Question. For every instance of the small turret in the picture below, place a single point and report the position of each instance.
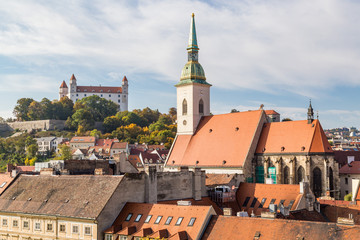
(125, 85)
(73, 84)
(310, 114)
(63, 90)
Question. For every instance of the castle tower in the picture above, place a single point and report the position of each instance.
(73, 84)
(63, 91)
(193, 92)
(125, 92)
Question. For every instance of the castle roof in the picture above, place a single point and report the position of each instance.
(293, 137)
(98, 89)
(220, 140)
(72, 77)
(63, 85)
(124, 79)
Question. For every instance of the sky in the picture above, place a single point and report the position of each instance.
(272, 52)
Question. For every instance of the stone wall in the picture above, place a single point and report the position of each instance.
(41, 125)
(86, 166)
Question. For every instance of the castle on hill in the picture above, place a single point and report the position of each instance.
(118, 95)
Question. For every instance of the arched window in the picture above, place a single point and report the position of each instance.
(300, 174)
(317, 186)
(201, 107)
(286, 175)
(184, 107)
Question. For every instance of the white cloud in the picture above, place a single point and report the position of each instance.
(27, 83)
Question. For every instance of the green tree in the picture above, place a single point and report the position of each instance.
(111, 123)
(100, 108)
(286, 119)
(35, 111)
(149, 115)
(95, 133)
(84, 118)
(128, 118)
(348, 197)
(21, 109)
(64, 152)
(47, 109)
(173, 114)
(68, 107)
(31, 150)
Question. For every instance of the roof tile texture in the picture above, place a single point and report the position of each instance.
(232, 132)
(71, 196)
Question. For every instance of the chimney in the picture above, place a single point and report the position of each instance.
(197, 184)
(14, 172)
(227, 211)
(151, 184)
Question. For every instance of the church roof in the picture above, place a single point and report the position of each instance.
(63, 85)
(271, 112)
(293, 137)
(192, 36)
(220, 140)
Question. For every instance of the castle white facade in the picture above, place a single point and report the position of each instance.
(118, 95)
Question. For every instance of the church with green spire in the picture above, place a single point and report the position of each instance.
(193, 91)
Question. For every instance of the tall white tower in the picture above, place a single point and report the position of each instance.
(63, 91)
(72, 90)
(193, 92)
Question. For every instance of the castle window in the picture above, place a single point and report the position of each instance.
(184, 106)
(101, 95)
(77, 95)
(118, 100)
(201, 107)
(118, 95)
(85, 95)
(109, 95)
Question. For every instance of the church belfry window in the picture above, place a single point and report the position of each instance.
(184, 107)
(201, 107)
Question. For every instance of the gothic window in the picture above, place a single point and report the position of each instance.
(184, 107)
(286, 175)
(201, 107)
(317, 186)
(331, 182)
(300, 174)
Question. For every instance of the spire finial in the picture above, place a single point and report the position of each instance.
(193, 46)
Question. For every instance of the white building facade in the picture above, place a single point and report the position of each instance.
(118, 95)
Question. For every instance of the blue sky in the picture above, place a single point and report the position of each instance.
(276, 53)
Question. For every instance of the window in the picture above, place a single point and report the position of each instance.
(87, 230)
(192, 221)
(128, 217)
(77, 95)
(158, 219)
(119, 101)
(123, 237)
(262, 203)
(75, 229)
(85, 95)
(346, 192)
(201, 107)
(2, 185)
(184, 106)
(253, 202)
(62, 228)
(49, 227)
(109, 95)
(346, 181)
(138, 217)
(108, 237)
(148, 218)
(37, 226)
(15, 223)
(101, 95)
(168, 220)
(246, 201)
(4, 222)
(26, 224)
(178, 222)
(291, 204)
(118, 95)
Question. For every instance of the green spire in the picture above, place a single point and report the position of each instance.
(192, 36)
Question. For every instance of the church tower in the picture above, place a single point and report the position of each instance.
(193, 92)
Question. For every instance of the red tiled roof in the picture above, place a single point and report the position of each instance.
(5, 180)
(287, 192)
(134, 160)
(72, 77)
(218, 179)
(119, 145)
(224, 227)
(271, 112)
(352, 168)
(83, 140)
(205, 201)
(218, 138)
(63, 85)
(99, 89)
(25, 168)
(124, 79)
(201, 213)
(293, 136)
